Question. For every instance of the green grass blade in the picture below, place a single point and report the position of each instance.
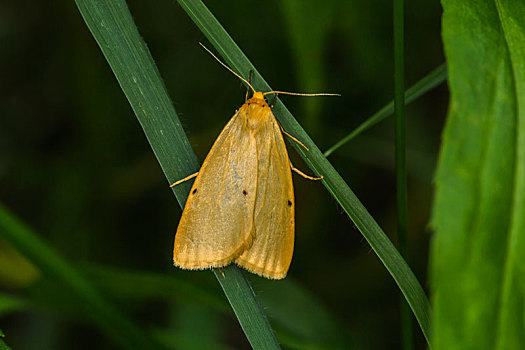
(335, 184)
(427, 83)
(401, 171)
(113, 28)
(238, 290)
(52, 265)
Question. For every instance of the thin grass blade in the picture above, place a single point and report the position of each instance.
(112, 26)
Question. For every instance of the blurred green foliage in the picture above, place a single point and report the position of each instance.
(76, 166)
(3, 346)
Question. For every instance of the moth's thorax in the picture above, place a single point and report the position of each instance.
(256, 111)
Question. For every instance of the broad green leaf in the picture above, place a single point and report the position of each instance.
(478, 252)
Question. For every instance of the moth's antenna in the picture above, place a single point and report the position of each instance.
(300, 94)
(228, 68)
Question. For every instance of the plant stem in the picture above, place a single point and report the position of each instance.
(401, 177)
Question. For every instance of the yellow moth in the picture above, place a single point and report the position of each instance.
(241, 206)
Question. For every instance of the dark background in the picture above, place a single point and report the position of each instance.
(75, 165)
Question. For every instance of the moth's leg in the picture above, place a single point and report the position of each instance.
(221, 270)
(249, 81)
(303, 174)
(185, 179)
(293, 138)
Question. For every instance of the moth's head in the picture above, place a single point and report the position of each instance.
(258, 98)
